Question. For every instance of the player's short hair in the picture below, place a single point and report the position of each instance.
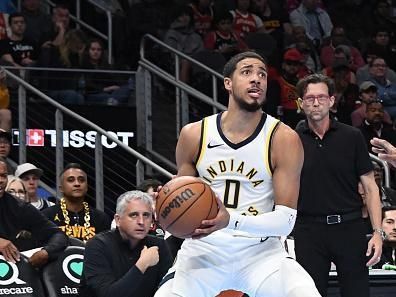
(387, 208)
(145, 185)
(13, 16)
(315, 78)
(129, 196)
(230, 66)
(70, 166)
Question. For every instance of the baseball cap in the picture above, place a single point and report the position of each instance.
(28, 168)
(5, 134)
(292, 55)
(364, 86)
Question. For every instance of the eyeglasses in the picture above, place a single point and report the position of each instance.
(379, 65)
(18, 193)
(310, 99)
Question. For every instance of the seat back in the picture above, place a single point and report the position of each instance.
(62, 277)
(19, 279)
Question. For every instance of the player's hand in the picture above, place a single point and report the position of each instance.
(39, 258)
(148, 257)
(385, 150)
(209, 226)
(374, 247)
(9, 251)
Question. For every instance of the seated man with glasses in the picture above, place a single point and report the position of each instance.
(386, 90)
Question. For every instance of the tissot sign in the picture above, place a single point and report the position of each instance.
(71, 138)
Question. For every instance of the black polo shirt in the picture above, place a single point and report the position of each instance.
(332, 169)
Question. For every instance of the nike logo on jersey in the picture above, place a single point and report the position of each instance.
(263, 239)
(214, 145)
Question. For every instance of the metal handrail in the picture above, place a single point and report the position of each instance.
(87, 122)
(108, 38)
(386, 169)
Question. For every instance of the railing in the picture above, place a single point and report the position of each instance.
(61, 110)
(78, 21)
(182, 90)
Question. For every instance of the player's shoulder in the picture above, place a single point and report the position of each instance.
(285, 135)
(191, 130)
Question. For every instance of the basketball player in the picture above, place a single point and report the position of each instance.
(253, 162)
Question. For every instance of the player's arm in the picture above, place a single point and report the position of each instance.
(187, 149)
(373, 203)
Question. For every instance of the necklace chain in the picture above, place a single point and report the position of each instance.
(87, 219)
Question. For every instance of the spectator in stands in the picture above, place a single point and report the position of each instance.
(126, 261)
(147, 17)
(5, 149)
(367, 93)
(17, 50)
(363, 73)
(338, 37)
(38, 23)
(386, 89)
(383, 17)
(5, 113)
(181, 34)
(354, 15)
(389, 249)
(16, 216)
(383, 46)
(315, 20)
(101, 88)
(301, 41)
(63, 86)
(73, 214)
(374, 125)
(223, 38)
(346, 91)
(30, 175)
(60, 26)
(203, 16)
(245, 21)
(16, 187)
(284, 87)
(275, 19)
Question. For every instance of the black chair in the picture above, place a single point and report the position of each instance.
(19, 279)
(62, 276)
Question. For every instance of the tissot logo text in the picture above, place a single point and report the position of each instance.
(71, 138)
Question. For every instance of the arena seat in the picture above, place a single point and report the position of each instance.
(19, 279)
(62, 277)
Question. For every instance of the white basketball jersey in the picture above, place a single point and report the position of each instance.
(240, 173)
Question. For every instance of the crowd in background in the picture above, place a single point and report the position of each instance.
(353, 42)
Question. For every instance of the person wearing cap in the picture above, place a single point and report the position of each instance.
(16, 216)
(284, 87)
(73, 214)
(367, 93)
(30, 175)
(5, 149)
(374, 125)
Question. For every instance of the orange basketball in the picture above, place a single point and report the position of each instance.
(183, 203)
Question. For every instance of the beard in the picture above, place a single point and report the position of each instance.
(249, 107)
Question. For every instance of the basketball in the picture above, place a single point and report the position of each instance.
(183, 203)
